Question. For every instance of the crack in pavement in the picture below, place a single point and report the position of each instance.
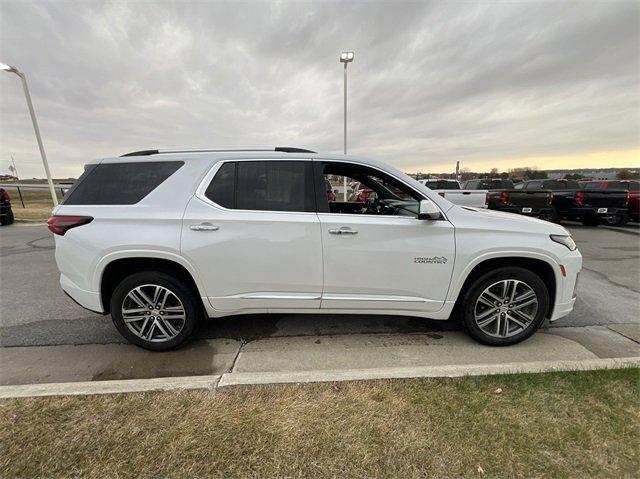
(609, 280)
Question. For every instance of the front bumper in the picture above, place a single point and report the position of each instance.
(566, 289)
(562, 309)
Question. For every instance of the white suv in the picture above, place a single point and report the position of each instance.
(162, 240)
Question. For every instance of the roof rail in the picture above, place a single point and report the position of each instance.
(288, 149)
(141, 153)
(281, 149)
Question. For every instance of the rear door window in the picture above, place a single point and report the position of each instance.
(119, 183)
(264, 186)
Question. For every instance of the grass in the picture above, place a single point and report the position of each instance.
(581, 424)
(38, 204)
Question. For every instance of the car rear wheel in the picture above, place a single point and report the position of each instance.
(553, 216)
(619, 219)
(154, 311)
(505, 306)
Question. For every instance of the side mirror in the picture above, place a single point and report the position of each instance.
(428, 211)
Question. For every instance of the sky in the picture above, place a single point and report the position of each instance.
(489, 84)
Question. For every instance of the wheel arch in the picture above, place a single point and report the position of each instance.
(114, 271)
(545, 268)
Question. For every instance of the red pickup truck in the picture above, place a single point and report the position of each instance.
(631, 186)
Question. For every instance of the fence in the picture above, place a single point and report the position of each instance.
(33, 193)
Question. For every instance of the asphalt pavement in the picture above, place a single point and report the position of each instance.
(76, 345)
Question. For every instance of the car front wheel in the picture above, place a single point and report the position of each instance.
(505, 306)
(154, 310)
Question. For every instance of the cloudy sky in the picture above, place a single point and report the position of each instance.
(491, 84)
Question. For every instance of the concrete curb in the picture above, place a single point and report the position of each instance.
(238, 379)
(109, 387)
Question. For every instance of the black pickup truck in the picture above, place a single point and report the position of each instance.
(554, 200)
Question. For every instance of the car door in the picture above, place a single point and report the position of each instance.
(252, 233)
(382, 261)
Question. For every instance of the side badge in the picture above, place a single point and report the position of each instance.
(431, 260)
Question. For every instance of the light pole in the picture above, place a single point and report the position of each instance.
(25, 87)
(346, 58)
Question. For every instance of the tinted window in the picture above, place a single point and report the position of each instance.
(120, 183)
(561, 185)
(592, 185)
(534, 185)
(519, 186)
(275, 186)
(442, 185)
(501, 185)
(622, 185)
(222, 187)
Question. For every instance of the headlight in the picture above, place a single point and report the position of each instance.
(564, 240)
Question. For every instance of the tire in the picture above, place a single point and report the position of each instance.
(167, 328)
(589, 221)
(620, 219)
(517, 327)
(553, 216)
(7, 218)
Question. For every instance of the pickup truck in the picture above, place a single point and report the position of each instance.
(487, 184)
(554, 200)
(631, 186)
(450, 189)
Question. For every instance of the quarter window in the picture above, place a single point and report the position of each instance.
(221, 190)
(119, 183)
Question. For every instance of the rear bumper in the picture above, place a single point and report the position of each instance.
(535, 212)
(593, 211)
(87, 299)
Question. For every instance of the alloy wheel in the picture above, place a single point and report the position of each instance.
(153, 313)
(506, 308)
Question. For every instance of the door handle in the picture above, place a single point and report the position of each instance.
(344, 230)
(204, 227)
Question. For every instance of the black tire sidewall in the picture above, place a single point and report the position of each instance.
(161, 279)
(590, 221)
(484, 281)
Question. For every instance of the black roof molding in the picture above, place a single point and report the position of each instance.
(141, 153)
(281, 149)
(288, 149)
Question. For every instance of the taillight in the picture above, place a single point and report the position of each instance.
(578, 198)
(486, 199)
(628, 198)
(551, 198)
(60, 224)
(504, 197)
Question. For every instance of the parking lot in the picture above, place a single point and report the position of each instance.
(46, 337)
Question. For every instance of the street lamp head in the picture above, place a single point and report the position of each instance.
(8, 68)
(346, 57)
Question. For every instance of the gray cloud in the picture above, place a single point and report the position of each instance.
(432, 82)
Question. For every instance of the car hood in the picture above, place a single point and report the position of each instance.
(481, 218)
